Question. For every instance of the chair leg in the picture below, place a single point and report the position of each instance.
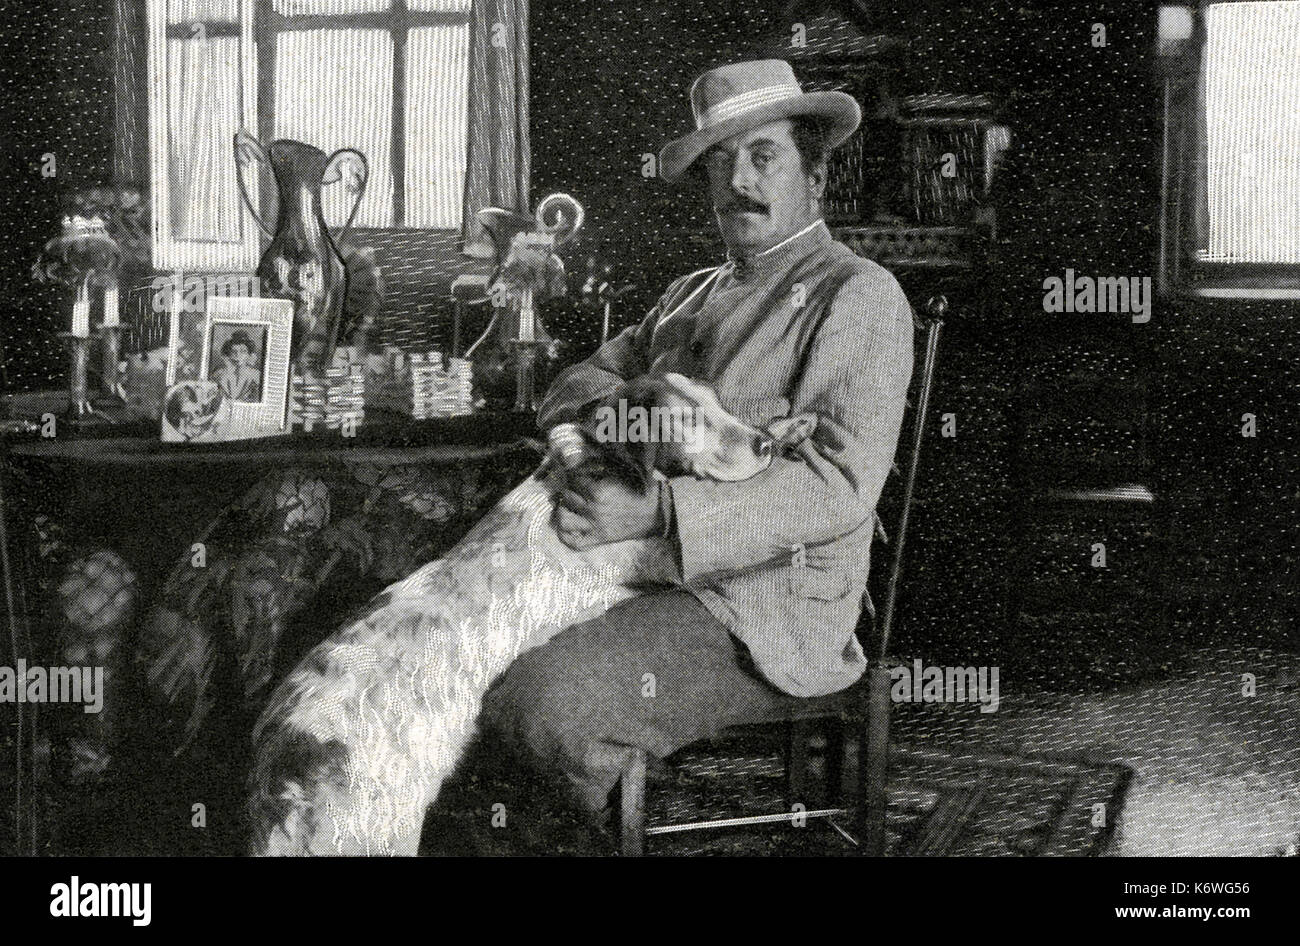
(797, 733)
(632, 805)
(874, 769)
(835, 748)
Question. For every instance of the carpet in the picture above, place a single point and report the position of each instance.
(961, 804)
(1212, 744)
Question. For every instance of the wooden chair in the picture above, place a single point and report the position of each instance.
(860, 713)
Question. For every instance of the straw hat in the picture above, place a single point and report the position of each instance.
(744, 95)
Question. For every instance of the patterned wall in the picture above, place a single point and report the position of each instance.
(1079, 190)
(57, 68)
(1042, 400)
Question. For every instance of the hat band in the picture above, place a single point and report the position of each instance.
(744, 102)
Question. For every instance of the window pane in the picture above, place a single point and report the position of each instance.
(334, 89)
(436, 125)
(207, 11)
(202, 118)
(1253, 127)
(302, 7)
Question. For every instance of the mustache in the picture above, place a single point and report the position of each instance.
(741, 205)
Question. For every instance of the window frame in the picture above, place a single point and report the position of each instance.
(257, 28)
(1180, 272)
(398, 20)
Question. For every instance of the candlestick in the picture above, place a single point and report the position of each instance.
(110, 347)
(526, 317)
(78, 394)
(525, 377)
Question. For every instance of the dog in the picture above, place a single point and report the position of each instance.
(357, 741)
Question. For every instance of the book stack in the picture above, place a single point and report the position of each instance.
(419, 385)
(335, 401)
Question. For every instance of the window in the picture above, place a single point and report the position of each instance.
(1232, 148)
(388, 77)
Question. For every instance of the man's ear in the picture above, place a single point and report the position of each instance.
(817, 179)
(792, 431)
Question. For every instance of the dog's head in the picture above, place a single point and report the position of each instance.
(670, 425)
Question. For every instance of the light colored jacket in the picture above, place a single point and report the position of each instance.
(780, 559)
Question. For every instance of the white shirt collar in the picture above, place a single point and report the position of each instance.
(741, 265)
(791, 238)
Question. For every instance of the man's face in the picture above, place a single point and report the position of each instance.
(760, 191)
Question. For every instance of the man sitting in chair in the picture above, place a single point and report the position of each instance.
(772, 569)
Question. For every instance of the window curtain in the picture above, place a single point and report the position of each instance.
(1185, 209)
(497, 172)
(1197, 235)
(130, 107)
(203, 95)
(1245, 132)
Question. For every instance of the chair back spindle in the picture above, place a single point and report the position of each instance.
(932, 321)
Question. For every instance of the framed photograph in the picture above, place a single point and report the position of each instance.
(195, 412)
(184, 335)
(245, 354)
(237, 360)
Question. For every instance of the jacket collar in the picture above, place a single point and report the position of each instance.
(778, 257)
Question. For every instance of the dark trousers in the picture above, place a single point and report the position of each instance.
(656, 672)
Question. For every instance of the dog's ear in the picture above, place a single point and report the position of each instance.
(642, 391)
(633, 461)
(577, 446)
(789, 432)
(644, 459)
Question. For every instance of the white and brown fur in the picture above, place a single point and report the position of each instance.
(357, 741)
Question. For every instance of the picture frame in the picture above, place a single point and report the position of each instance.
(185, 326)
(246, 343)
(195, 412)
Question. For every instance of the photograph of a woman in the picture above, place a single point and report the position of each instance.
(238, 370)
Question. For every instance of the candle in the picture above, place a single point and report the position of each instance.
(81, 313)
(526, 317)
(111, 318)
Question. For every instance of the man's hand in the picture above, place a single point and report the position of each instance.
(593, 512)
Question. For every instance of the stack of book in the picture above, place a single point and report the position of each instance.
(421, 386)
(337, 400)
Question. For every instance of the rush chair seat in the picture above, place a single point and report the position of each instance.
(857, 717)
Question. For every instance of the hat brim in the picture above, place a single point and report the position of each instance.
(840, 109)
